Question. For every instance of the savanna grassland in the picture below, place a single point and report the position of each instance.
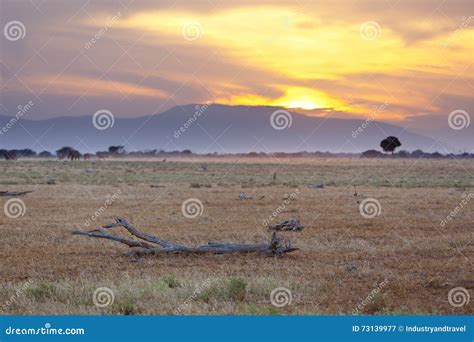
(343, 256)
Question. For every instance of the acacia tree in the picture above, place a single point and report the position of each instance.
(389, 144)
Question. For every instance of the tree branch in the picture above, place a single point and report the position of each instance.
(276, 246)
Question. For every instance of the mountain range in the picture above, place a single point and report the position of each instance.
(208, 129)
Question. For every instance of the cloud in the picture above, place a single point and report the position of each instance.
(307, 53)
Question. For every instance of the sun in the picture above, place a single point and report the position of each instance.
(306, 98)
(303, 104)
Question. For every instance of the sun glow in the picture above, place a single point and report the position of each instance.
(283, 56)
(307, 98)
(303, 104)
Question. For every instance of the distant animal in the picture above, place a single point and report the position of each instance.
(87, 156)
(8, 154)
(74, 155)
(164, 160)
(204, 167)
(63, 152)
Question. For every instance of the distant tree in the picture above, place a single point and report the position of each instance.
(26, 152)
(403, 154)
(116, 149)
(186, 152)
(45, 154)
(389, 144)
(436, 155)
(371, 154)
(418, 154)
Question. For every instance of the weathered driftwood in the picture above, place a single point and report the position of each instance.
(14, 193)
(151, 244)
(289, 225)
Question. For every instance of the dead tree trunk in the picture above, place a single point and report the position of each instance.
(14, 193)
(150, 244)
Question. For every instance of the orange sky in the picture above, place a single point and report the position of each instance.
(344, 57)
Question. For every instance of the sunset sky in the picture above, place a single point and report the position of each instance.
(341, 58)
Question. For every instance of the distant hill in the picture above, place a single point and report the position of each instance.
(218, 128)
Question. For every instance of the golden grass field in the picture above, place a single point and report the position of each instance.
(343, 256)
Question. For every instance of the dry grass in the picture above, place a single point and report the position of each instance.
(343, 256)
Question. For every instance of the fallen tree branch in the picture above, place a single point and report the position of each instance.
(14, 193)
(276, 246)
